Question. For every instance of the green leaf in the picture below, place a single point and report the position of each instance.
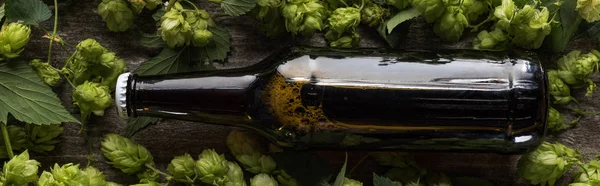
(219, 47)
(237, 7)
(569, 21)
(150, 40)
(400, 17)
(397, 35)
(339, 180)
(25, 96)
(31, 12)
(2, 11)
(469, 181)
(167, 62)
(383, 181)
(136, 124)
(305, 167)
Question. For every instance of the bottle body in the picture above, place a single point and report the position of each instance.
(369, 99)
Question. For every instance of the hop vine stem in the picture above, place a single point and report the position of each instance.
(6, 138)
(53, 31)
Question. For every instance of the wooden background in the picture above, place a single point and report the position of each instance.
(78, 20)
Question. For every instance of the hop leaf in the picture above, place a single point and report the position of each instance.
(263, 179)
(344, 19)
(547, 163)
(351, 182)
(116, 14)
(20, 170)
(558, 89)
(182, 168)
(451, 24)
(43, 138)
(174, 30)
(592, 169)
(589, 10)
(92, 98)
(431, 10)
(125, 154)
(235, 175)
(13, 38)
(490, 40)
(212, 167)
(48, 73)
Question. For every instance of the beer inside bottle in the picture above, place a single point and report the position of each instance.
(372, 99)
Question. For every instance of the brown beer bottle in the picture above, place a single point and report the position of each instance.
(369, 99)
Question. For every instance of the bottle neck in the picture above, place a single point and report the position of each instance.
(189, 96)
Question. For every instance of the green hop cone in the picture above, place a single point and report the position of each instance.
(46, 179)
(242, 143)
(438, 179)
(399, 4)
(20, 170)
(560, 91)
(92, 97)
(182, 168)
(148, 183)
(152, 4)
(431, 10)
(125, 154)
(263, 179)
(43, 138)
(94, 176)
(547, 163)
(473, 9)
(137, 5)
(504, 13)
(344, 19)
(148, 174)
(490, 40)
(592, 169)
(174, 30)
(451, 24)
(405, 175)
(575, 68)
(351, 182)
(284, 179)
(373, 15)
(202, 37)
(589, 10)
(212, 167)
(351, 40)
(17, 137)
(109, 69)
(49, 74)
(235, 175)
(90, 50)
(530, 26)
(304, 17)
(116, 14)
(68, 174)
(589, 183)
(555, 120)
(13, 38)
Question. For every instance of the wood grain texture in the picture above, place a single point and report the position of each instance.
(78, 21)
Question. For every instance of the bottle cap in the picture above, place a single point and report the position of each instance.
(121, 95)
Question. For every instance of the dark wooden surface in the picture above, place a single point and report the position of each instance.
(78, 21)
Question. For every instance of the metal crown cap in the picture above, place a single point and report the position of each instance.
(121, 95)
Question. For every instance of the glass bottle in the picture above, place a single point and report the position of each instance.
(370, 99)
